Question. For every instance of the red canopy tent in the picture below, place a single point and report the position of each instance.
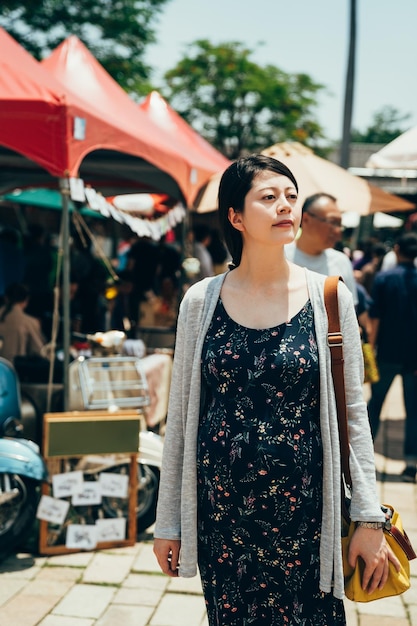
(47, 132)
(53, 126)
(206, 158)
(73, 64)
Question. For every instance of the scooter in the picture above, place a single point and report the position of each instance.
(22, 468)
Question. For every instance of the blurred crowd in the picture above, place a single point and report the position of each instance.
(141, 284)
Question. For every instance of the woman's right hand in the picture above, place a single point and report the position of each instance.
(167, 552)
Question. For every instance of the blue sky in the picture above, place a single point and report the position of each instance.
(309, 37)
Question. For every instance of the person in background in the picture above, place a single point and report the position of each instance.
(20, 333)
(120, 311)
(144, 258)
(39, 264)
(366, 274)
(321, 229)
(90, 276)
(218, 252)
(250, 483)
(393, 334)
(12, 261)
(202, 240)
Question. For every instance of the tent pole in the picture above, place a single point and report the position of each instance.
(65, 299)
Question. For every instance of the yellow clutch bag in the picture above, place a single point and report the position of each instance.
(397, 582)
(370, 364)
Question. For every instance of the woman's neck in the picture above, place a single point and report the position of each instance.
(258, 270)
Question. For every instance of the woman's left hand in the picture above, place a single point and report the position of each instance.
(371, 547)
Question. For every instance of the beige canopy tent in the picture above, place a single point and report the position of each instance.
(315, 174)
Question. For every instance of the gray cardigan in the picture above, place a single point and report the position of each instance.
(177, 502)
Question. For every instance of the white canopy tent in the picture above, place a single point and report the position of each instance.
(401, 153)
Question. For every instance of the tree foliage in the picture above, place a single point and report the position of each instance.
(115, 31)
(386, 125)
(238, 105)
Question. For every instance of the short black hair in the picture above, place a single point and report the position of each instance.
(234, 185)
(201, 232)
(407, 245)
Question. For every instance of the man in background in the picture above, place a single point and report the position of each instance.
(321, 230)
(393, 333)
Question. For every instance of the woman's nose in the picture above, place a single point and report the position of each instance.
(283, 205)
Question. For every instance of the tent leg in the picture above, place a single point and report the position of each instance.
(66, 325)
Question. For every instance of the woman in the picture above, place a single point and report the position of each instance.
(250, 484)
(20, 334)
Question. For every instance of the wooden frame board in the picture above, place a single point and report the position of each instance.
(89, 441)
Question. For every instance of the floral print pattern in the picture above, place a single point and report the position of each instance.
(259, 466)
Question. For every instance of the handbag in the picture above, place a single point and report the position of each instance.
(394, 533)
(369, 363)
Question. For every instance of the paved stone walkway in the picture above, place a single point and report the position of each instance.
(123, 587)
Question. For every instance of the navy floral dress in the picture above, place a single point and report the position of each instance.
(259, 465)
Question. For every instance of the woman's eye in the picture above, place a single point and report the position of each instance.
(293, 197)
(270, 196)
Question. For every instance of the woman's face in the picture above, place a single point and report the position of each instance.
(270, 215)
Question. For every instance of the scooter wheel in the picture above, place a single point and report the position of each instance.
(148, 482)
(18, 503)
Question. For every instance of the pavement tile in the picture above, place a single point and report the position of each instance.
(125, 550)
(185, 585)
(38, 587)
(27, 610)
(75, 559)
(60, 573)
(126, 616)
(351, 613)
(108, 568)
(85, 601)
(146, 581)
(138, 597)
(390, 607)
(146, 560)
(205, 621)
(179, 610)
(57, 620)
(378, 620)
(412, 613)
(9, 588)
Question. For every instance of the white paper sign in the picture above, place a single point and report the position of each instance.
(114, 485)
(92, 198)
(65, 485)
(80, 124)
(77, 189)
(81, 537)
(89, 494)
(52, 510)
(111, 529)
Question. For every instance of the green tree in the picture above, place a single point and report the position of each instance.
(115, 31)
(386, 125)
(238, 105)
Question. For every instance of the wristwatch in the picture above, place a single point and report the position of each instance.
(374, 525)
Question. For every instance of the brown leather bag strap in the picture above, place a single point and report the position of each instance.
(335, 343)
(402, 539)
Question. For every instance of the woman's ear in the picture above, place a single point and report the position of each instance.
(235, 218)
